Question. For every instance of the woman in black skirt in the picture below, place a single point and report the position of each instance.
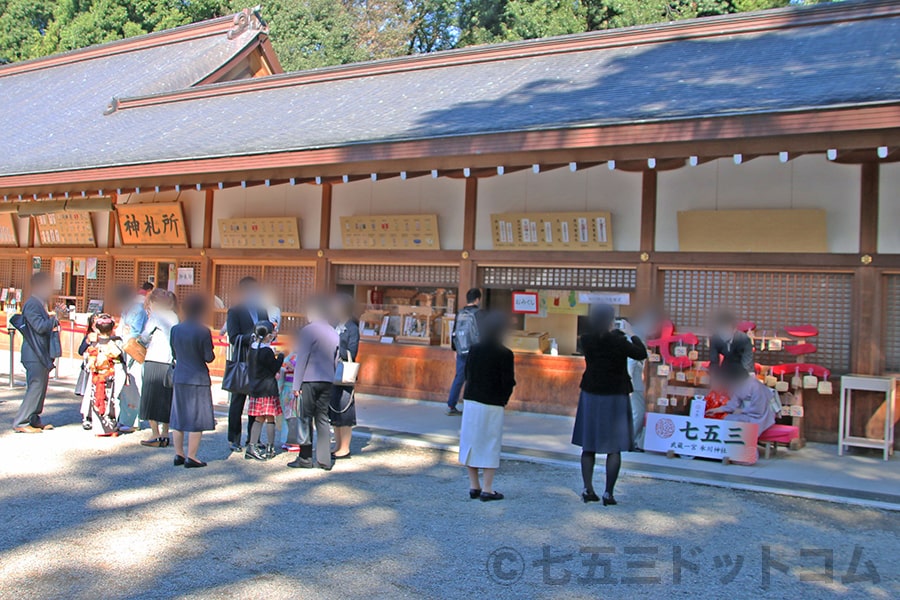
(342, 407)
(156, 397)
(192, 407)
(603, 423)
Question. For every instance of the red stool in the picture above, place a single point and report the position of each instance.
(779, 434)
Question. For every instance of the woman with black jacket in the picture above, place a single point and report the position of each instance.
(264, 404)
(490, 378)
(603, 423)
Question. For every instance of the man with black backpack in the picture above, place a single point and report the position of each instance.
(465, 335)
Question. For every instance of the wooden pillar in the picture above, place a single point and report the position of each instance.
(208, 219)
(324, 282)
(646, 272)
(468, 271)
(111, 225)
(866, 356)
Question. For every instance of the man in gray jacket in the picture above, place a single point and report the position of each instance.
(313, 379)
(36, 356)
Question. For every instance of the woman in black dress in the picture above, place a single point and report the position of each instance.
(342, 407)
(603, 423)
(192, 408)
(156, 396)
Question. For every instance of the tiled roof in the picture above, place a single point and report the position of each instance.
(56, 120)
(52, 113)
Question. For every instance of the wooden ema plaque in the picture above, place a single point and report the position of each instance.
(391, 232)
(552, 231)
(66, 228)
(9, 235)
(152, 224)
(270, 233)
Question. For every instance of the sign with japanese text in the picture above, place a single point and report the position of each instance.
(66, 228)
(152, 224)
(623, 299)
(552, 231)
(9, 236)
(270, 233)
(709, 438)
(525, 302)
(391, 232)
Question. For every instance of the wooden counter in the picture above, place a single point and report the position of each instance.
(545, 384)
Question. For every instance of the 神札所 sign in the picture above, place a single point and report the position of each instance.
(152, 224)
(709, 438)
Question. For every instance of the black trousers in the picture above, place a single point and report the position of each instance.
(235, 413)
(37, 377)
(314, 400)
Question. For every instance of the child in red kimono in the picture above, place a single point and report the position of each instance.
(104, 363)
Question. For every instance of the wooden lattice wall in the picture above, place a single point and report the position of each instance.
(556, 278)
(292, 284)
(418, 275)
(771, 299)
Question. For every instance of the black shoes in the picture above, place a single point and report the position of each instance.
(589, 496)
(235, 447)
(179, 460)
(609, 500)
(190, 463)
(301, 463)
(489, 497)
(323, 467)
(270, 451)
(341, 457)
(253, 453)
(454, 412)
(474, 494)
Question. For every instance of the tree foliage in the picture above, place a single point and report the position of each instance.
(317, 33)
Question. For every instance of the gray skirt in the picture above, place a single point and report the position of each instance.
(603, 424)
(192, 408)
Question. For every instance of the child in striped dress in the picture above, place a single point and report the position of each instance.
(264, 403)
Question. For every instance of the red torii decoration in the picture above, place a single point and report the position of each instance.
(666, 339)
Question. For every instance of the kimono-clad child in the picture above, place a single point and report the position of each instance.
(106, 368)
(263, 403)
(83, 384)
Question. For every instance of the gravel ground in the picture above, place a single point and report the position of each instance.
(106, 518)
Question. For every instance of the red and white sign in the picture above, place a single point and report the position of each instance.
(710, 438)
(526, 302)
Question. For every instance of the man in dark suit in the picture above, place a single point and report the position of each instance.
(36, 356)
(240, 323)
(730, 350)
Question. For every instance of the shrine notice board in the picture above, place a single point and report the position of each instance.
(152, 224)
(784, 230)
(269, 233)
(391, 232)
(66, 228)
(9, 236)
(709, 438)
(552, 231)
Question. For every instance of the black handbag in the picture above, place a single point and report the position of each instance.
(169, 381)
(237, 374)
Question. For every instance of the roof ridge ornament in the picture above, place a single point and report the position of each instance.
(249, 18)
(112, 107)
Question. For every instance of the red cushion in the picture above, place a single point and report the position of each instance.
(783, 434)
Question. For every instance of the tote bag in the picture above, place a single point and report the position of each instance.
(346, 371)
(237, 374)
(129, 401)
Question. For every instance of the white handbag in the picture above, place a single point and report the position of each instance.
(346, 371)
